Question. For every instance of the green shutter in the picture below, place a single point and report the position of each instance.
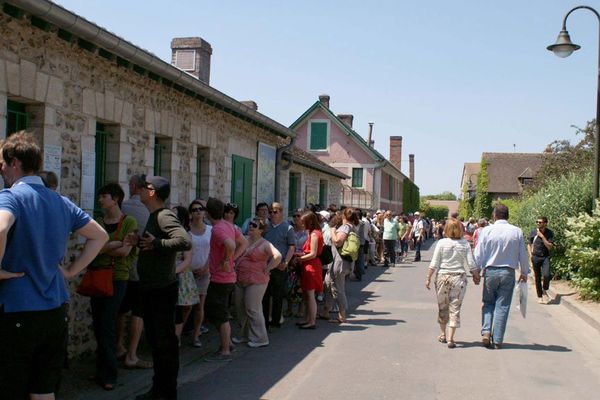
(318, 136)
(199, 175)
(159, 151)
(322, 193)
(100, 178)
(357, 177)
(16, 117)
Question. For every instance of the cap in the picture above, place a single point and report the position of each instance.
(417, 213)
(161, 186)
(325, 214)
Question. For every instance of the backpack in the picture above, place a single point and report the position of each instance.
(350, 248)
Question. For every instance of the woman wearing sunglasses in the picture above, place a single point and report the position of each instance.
(253, 269)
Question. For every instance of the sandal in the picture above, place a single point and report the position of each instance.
(451, 344)
(442, 338)
(140, 364)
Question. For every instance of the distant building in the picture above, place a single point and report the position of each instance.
(508, 173)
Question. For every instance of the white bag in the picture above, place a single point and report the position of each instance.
(521, 297)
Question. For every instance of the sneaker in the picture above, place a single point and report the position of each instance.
(203, 329)
(546, 297)
(218, 356)
(197, 343)
(256, 344)
(540, 300)
(239, 340)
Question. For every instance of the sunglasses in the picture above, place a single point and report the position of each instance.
(149, 186)
(540, 222)
(253, 224)
(232, 205)
(197, 209)
(297, 215)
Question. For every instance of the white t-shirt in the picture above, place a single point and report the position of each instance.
(200, 248)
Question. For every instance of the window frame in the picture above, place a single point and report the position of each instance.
(362, 177)
(327, 134)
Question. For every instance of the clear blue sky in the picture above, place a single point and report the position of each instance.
(454, 78)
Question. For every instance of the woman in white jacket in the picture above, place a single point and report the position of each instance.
(452, 260)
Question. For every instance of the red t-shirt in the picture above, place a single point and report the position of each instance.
(221, 231)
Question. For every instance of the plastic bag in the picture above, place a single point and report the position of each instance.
(521, 297)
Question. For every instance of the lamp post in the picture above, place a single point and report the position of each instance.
(564, 48)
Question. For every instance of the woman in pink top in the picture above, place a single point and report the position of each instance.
(252, 279)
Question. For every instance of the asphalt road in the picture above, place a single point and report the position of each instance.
(388, 350)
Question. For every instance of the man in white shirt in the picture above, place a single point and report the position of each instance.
(418, 234)
(500, 251)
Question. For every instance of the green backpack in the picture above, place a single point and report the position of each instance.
(350, 248)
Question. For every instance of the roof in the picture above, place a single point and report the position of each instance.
(469, 175)
(504, 169)
(305, 159)
(127, 55)
(377, 156)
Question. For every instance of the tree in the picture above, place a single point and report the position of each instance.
(465, 208)
(483, 200)
(447, 195)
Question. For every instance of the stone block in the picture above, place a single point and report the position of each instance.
(88, 143)
(127, 118)
(56, 91)
(100, 105)
(41, 87)
(3, 84)
(118, 113)
(175, 162)
(109, 105)
(149, 158)
(125, 152)
(13, 78)
(164, 122)
(52, 137)
(28, 79)
(149, 120)
(89, 102)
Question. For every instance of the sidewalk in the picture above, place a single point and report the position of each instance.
(564, 294)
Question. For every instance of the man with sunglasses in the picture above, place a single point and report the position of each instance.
(281, 235)
(262, 212)
(541, 241)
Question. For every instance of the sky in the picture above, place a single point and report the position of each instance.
(453, 78)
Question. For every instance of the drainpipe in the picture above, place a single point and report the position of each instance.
(279, 168)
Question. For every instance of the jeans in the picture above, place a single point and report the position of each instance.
(404, 246)
(498, 286)
(359, 266)
(277, 290)
(159, 322)
(541, 269)
(104, 317)
(390, 251)
(418, 242)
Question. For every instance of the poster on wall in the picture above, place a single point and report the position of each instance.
(265, 173)
(52, 160)
(88, 175)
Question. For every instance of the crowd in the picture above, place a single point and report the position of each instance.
(166, 265)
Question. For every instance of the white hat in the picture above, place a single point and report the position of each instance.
(325, 214)
(417, 213)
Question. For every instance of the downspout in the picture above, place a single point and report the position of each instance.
(279, 168)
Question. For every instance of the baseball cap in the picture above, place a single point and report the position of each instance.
(161, 186)
(417, 213)
(325, 214)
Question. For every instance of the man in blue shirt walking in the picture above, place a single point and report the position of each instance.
(499, 253)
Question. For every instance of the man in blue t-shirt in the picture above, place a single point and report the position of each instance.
(35, 224)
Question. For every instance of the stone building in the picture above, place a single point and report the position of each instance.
(104, 109)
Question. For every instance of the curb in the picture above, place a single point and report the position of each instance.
(566, 301)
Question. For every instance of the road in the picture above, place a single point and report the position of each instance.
(388, 350)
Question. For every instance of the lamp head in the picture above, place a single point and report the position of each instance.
(563, 46)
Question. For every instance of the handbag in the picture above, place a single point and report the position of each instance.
(326, 256)
(98, 281)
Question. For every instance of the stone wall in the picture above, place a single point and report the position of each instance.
(67, 90)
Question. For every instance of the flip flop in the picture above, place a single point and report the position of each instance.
(442, 338)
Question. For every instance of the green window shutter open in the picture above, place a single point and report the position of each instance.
(318, 136)
(357, 177)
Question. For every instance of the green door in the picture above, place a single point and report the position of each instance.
(293, 193)
(241, 186)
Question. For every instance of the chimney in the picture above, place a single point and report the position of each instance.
(324, 99)
(411, 167)
(396, 151)
(346, 119)
(370, 142)
(250, 104)
(192, 54)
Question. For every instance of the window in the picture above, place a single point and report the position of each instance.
(357, 177)
(162, 157)
(323, 192)
(16, 117)
(391, 185)
(107, 158)
(202, 168)
(318, 136)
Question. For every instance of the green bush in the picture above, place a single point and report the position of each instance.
(559, 199)
(436, 212)
(582, 239)
(410, 196)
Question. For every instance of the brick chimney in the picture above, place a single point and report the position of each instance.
(250, 104)
(192, 54)
(396, 151)
(324, 99)
(411, 167)
(347, 119)
(370, 141)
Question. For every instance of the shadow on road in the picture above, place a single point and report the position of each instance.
(518, 346)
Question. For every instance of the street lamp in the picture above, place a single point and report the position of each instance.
(564, 48)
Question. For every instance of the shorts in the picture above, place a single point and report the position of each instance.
(202, 284)
(216, 308)
(132, 300)
(32, 351)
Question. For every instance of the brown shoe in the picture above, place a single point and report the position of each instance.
(485, 339)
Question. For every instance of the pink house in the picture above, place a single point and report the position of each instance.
(375, 182)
